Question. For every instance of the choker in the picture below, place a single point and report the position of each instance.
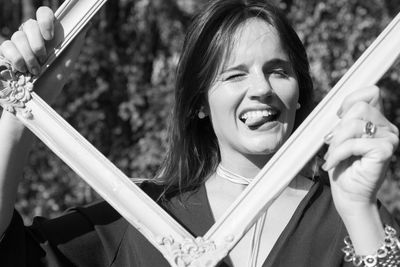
(231, 176)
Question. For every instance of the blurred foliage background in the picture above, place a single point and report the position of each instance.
(120, 95)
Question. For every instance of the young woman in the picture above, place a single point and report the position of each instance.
(243, 85)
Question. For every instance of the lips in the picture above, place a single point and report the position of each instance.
(257, 117)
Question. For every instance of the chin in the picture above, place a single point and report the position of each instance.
(263, 147)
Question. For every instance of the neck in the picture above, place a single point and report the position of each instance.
(243, 165)
(247, 166)
(236, 166)
(231, 178)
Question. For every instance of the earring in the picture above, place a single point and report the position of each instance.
(298, 106)
(201, 115)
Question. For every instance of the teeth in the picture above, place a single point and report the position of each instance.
(257, 114)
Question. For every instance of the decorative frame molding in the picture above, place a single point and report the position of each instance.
(177, 245)
(15, 89)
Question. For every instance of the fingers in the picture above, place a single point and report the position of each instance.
(352, 128)
(355, 129)
(10, 52)
(36, 42)
(369, 95)
(348, 139)
(375, 149)
(45, 20)
(20, 41)
(26, 50)
(367, 112)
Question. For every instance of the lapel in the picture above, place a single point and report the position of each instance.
(272, 258)
(192, 209)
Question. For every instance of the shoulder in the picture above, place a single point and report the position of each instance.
(153, 190)
(96, 229)
(101, 216)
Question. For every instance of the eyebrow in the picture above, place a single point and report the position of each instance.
(241, 67)
(270, 63)
(278, 62)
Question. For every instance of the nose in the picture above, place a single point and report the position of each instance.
(261, 87)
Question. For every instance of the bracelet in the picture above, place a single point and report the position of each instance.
(387, 255)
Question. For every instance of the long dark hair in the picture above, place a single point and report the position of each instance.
(193, 152)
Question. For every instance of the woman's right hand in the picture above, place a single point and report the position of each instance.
(26, 50)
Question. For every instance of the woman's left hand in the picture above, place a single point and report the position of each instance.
(357, 162)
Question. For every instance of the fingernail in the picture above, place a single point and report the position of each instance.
(339, 112)
(328, 137)
(35, 71)
(23, 69)
(42, 59)
(325, 166)
(326, 156)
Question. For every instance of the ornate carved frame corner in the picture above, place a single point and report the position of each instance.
(177, 245)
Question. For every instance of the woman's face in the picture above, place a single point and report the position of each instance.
(252, 103)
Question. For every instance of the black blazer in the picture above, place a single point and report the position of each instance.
(98, 236)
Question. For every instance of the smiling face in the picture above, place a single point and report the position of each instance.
(252, 103)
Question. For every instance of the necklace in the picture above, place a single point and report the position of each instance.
(231, 176)
(259, 225)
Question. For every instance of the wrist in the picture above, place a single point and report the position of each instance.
(388, 254)
(19, 138)
(354, 205)
(365, 228)
(12, 125)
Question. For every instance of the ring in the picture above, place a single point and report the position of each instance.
(370, 129)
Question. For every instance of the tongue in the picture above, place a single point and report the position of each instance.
(256, 121)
